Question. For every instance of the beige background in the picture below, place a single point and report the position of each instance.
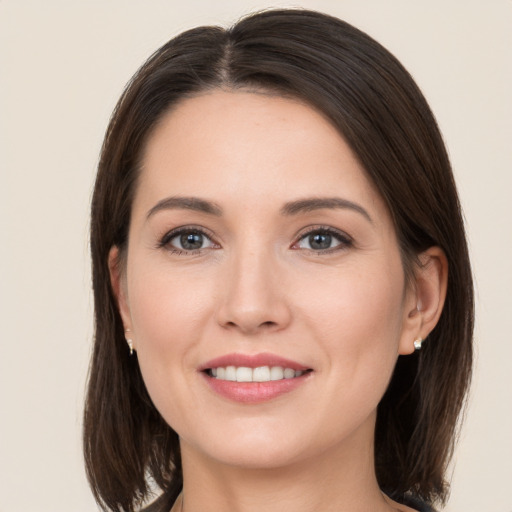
(63, 65)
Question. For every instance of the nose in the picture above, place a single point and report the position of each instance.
(253, 298)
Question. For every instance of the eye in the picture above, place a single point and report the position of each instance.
(186, 240)
(323, 240)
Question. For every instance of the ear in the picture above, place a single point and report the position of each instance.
(118, 283)
(425, 298)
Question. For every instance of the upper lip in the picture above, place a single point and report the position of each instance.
(252, 361)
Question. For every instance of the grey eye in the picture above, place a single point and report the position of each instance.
(190, 241)
(320, 241)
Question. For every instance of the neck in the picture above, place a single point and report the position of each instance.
(341, 479)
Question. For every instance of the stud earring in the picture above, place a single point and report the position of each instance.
(129, 341)
(417, 343)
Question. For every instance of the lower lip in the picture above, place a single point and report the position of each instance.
(254, 392)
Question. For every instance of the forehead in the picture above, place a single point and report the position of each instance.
(250, 146)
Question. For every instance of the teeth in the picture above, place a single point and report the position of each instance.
(289, 373)
(260, 374)
(244, 374)
(230, 373)
(276, 373)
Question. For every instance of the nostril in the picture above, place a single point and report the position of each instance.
(264, 325)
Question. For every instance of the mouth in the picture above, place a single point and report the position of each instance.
(254, 378)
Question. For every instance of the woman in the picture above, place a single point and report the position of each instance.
(283, 293)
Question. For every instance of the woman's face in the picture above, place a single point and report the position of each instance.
(257, 241)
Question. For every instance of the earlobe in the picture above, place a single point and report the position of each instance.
(117, 281)
(429, 294)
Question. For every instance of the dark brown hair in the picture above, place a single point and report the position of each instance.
(376, 106)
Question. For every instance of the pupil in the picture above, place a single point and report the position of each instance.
(320, 241)
(191, 241)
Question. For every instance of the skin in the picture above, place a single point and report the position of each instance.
(255, 286)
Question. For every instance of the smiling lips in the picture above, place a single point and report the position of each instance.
(253, 379)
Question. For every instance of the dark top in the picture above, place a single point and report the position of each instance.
(417, 504)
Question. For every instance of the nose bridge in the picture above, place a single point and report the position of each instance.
(252, 297)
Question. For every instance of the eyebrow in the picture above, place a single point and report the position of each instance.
(186, 203)
(319, 203)
(291, 208)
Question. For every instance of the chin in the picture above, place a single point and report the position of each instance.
(251, 450)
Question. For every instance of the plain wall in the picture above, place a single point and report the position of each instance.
(63, 64)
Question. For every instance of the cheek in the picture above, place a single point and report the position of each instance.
(168, 313)
(165, 306)
(357, 326)
(358, 321)
(357, 301)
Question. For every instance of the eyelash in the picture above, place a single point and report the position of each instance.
(185, 230)
(344, 240)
